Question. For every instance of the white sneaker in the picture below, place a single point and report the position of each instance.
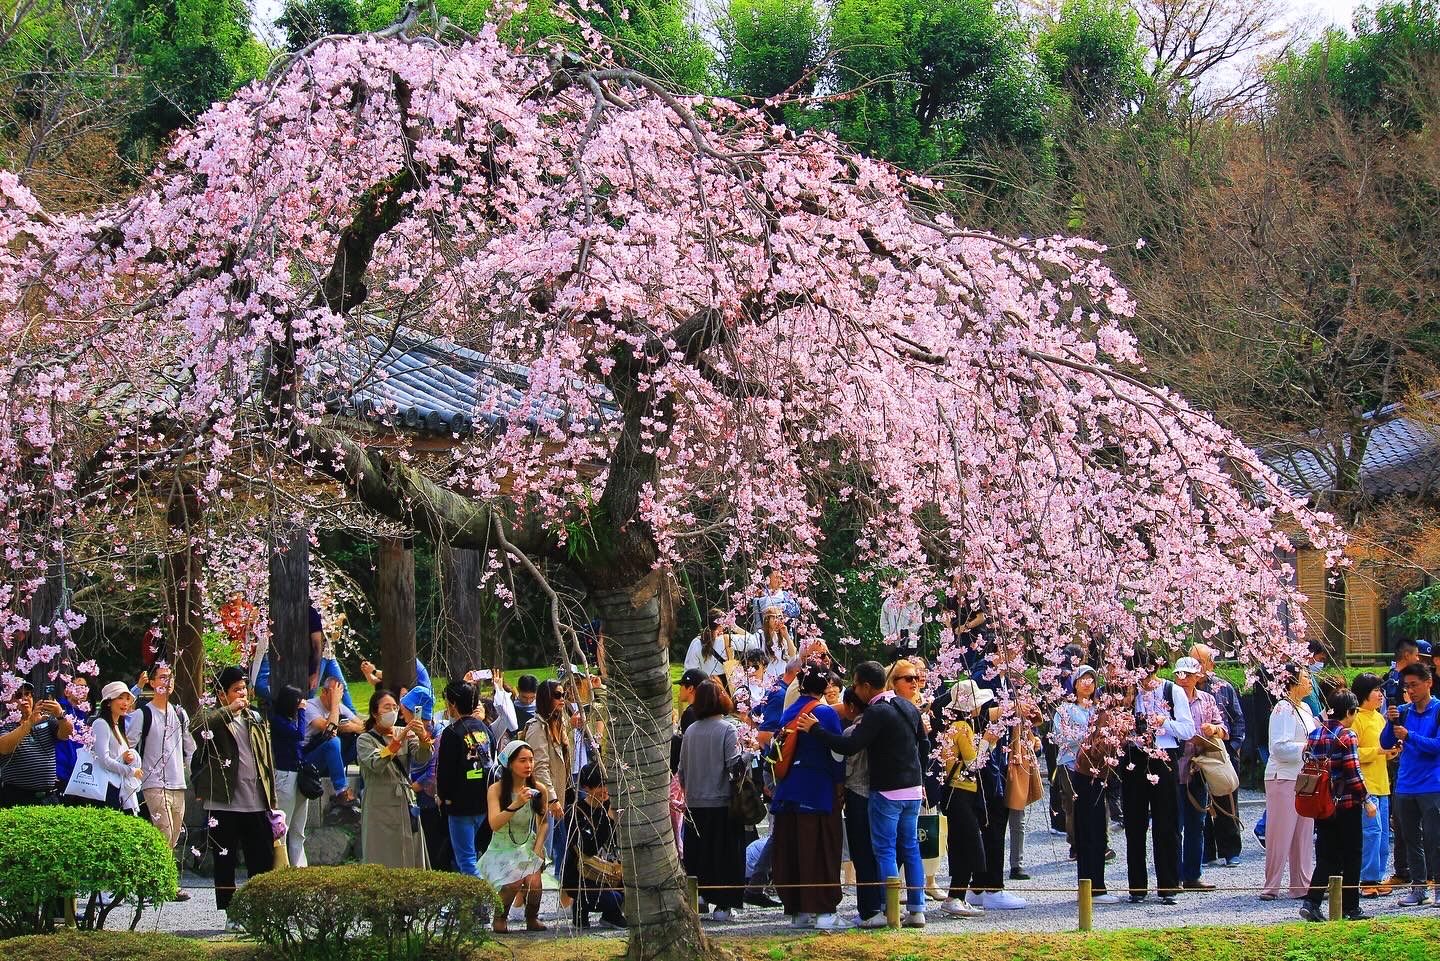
(877, 920)
(959, 909)
(802, 920)
(830, 922)
(721, 914)
(1003, 901)
(1106, 899)
(915, 919)
(975, 899)
(515, 916)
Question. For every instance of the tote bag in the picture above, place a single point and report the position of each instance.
(928, 829)
(89, 780)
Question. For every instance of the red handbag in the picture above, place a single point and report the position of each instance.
(1313, 798)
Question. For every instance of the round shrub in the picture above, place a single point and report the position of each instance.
(104, 946)
(50, 854)
(362, 911)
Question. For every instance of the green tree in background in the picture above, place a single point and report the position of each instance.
(305, 21)
(1378, 73)
(768, 47)
(1091, 51)
(189, 54)
(929, 79)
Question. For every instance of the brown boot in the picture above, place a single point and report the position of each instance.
(532, 910)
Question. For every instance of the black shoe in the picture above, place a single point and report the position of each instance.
(1311, 912)
(1136, 898)
(1109, 854)
(760, 899)
(1357, 916)
(1168, 899)
(1018, 875)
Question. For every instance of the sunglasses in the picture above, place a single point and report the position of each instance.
(908, 677)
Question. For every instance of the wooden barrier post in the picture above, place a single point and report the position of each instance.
(692, 888)
(1337, 904)
(892, 901)
(1087, 906)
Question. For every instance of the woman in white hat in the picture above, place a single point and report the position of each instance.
(112, 751)
(964, 753)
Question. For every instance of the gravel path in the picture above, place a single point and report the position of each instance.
(1048, 910)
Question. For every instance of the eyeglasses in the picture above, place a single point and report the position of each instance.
(1415, 684)
(908, 677)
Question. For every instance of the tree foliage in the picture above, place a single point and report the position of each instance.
(771, 47)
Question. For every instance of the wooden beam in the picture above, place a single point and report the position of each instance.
(461, 609)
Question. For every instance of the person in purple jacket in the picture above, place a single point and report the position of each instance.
(808, 828)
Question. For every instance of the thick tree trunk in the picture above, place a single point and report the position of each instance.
(662, 925)
(395, 604)
(290, 609)
(461, 609)
(184, 569)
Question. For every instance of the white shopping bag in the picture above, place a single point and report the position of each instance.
(89, 780)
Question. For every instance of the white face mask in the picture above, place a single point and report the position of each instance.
(388, 718)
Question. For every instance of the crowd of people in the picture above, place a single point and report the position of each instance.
(867, 774)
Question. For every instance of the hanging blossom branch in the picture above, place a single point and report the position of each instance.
(775, 320)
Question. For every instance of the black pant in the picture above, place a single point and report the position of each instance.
(994, 816)
(965, 847)
(437, 838)
(1338, 844)
(1052, 764)
(239, 832)
(1222, 828)
(1090, 830)
(1153, 807)
(869, 898)
(15, 797)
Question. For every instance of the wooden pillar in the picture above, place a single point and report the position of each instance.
(184, 618)
(289, 609)
(395, 604)
(461, 610)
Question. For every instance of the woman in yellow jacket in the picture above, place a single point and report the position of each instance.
(963, 752)
(1369, 723)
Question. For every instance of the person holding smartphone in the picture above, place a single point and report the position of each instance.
(516, 856)
(27, 748)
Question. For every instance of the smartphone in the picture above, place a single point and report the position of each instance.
(47, 692)
(484, 675)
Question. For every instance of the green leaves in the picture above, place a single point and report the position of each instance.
(49, 853)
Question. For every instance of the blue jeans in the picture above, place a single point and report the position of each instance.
(326, 756)
(1375, 851)
(465, 832)
(894, 835)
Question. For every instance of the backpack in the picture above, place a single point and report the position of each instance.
(1313, 793)
(147, 721)
(783, 746)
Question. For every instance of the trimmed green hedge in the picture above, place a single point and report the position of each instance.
(364, 911)
(50, 854)
(103, 946)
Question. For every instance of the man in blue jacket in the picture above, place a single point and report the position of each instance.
(1416, 727)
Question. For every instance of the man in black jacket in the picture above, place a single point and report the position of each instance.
(462, 777)
(898, 750)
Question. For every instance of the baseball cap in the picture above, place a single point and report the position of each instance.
(693, 677)
(1424, 647)
(1187, 665)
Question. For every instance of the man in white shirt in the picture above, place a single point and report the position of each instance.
(160, 733)
(1148, 782)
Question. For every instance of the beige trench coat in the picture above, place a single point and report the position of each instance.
(385, 834)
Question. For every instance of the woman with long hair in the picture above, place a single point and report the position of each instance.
(390, 831)
(714, 842)
(549, 735)
(1288, 836)
(112, 750)
(516, 855)
(287, 738)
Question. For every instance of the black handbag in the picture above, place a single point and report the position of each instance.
(307, 782)
(747, 804)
